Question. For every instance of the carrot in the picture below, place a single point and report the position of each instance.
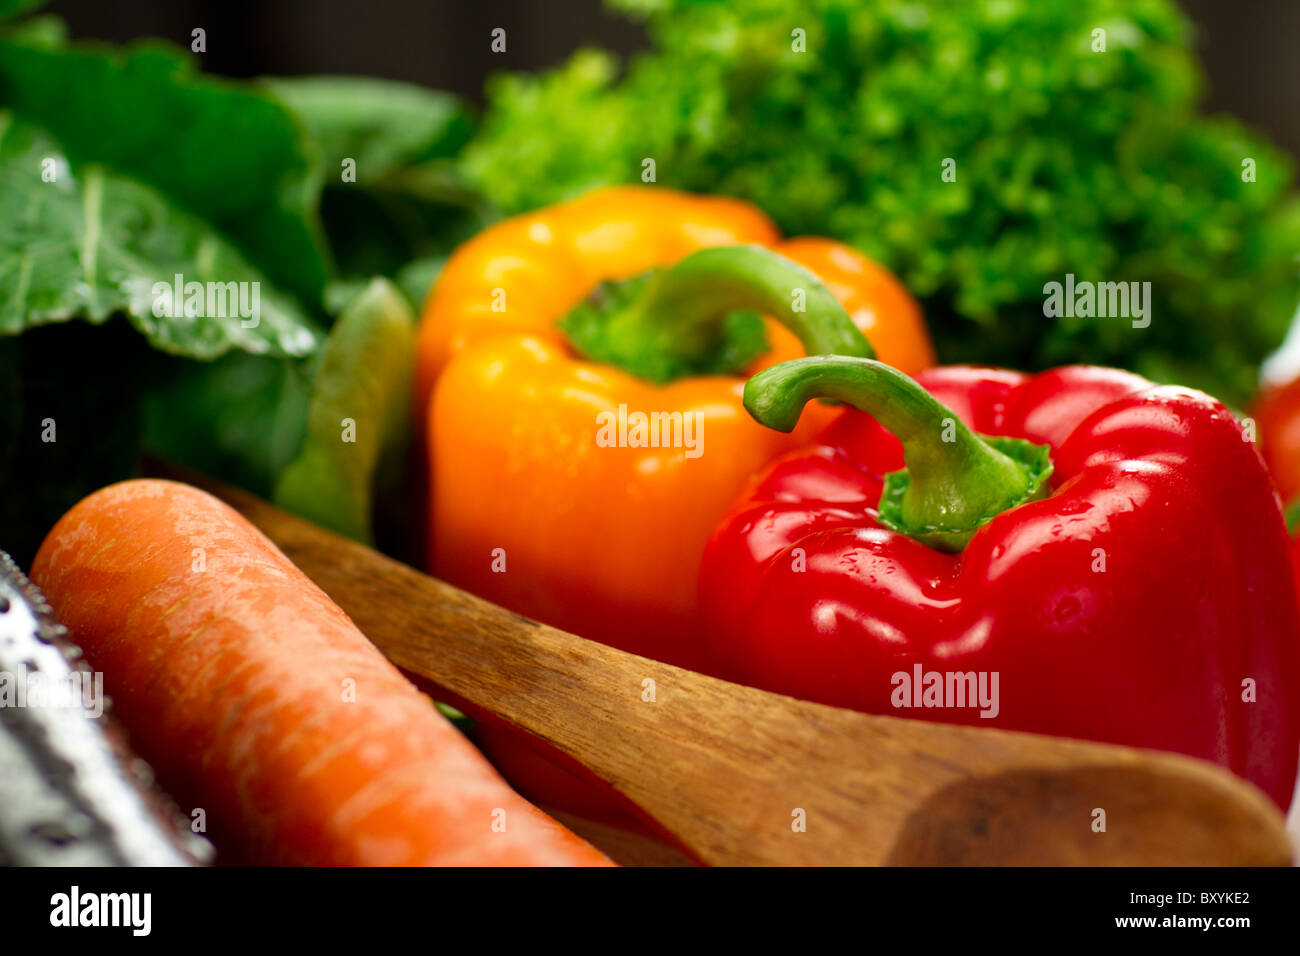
(258, 700)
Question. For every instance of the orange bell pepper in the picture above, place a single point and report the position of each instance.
(542, 500)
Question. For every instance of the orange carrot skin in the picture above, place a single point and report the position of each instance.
(258, 700)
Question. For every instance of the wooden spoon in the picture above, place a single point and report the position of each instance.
(741, 776)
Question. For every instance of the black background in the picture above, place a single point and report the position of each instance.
(783, 909)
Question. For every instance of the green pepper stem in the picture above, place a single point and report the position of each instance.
(670, 322)
(954, 480)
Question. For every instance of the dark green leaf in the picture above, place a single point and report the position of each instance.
(240, 418)
(380, 231)
(15, 8)
(404, 198)
(230, 154)
(92, 244)
(381, 125)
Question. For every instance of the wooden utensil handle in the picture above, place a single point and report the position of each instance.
(739, 775)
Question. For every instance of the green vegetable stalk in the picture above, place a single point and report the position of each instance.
(358, 419)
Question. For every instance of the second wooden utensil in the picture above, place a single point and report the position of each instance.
(740, 776)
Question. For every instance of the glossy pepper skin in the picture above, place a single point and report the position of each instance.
(1277, 415)
(527, 509)
(1128, 606)
(1295, 562)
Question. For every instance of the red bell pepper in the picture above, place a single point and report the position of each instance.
(1277, 416)
(1114, 564)
(1295, 562)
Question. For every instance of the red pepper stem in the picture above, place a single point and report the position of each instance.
(954, 480)
(669, 323)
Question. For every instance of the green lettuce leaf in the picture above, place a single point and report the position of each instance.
(240, 418)
(90, 244)
(383, 125)
(408, 200)
(841, 117)
(223, 151)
